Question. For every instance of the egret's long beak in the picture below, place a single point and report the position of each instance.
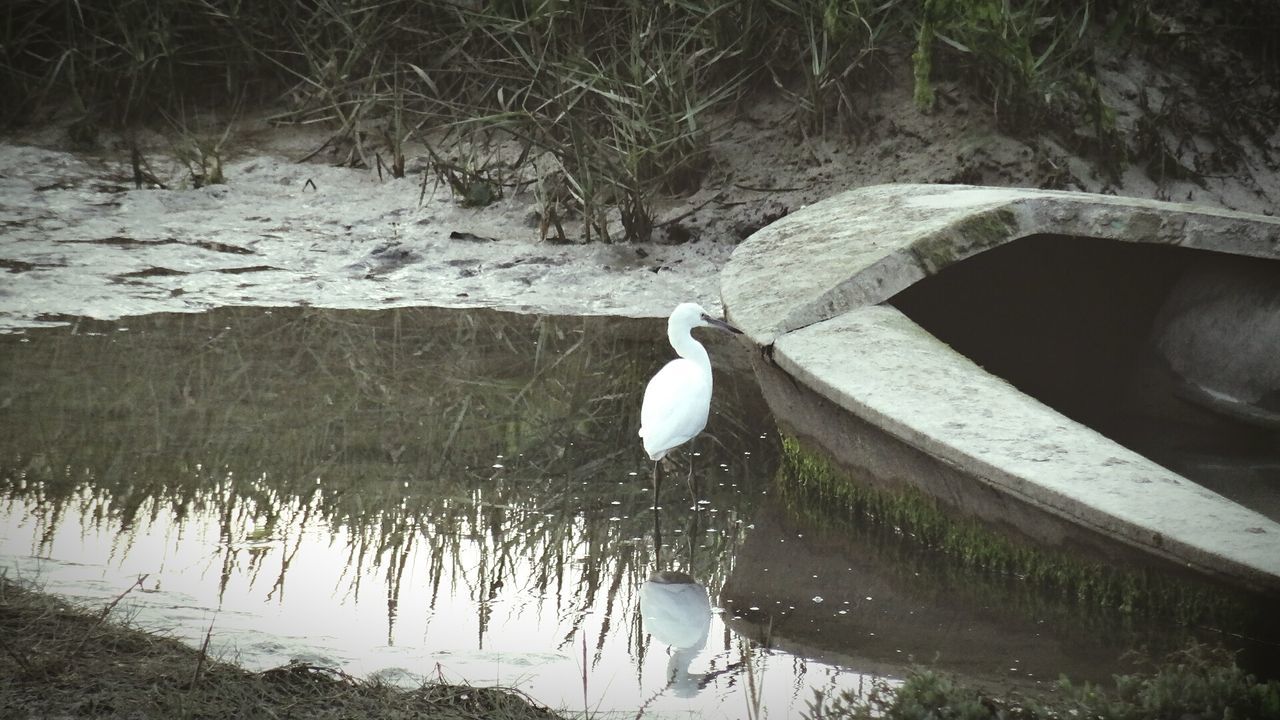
(718, 323)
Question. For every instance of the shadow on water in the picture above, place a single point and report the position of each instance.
(419, 490)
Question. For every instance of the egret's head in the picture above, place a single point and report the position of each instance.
(688, 316)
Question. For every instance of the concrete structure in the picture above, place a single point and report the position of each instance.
(843, 367)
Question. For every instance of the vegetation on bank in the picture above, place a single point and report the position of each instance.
(1197, 682)
(1042, 580)
(610, 102)
(65, 661)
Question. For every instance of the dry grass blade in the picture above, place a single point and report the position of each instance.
(102, 617)
(202, 657)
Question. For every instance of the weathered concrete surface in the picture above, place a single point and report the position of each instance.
(863, 246)
(886, 369)
(808, 288)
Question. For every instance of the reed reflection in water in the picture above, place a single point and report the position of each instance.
(405, 492)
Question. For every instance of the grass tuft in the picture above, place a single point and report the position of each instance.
(65, 661)
(1197, 682)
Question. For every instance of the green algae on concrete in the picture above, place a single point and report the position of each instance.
(814, 487)
(967, 237)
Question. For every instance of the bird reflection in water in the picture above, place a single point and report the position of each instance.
(676, 611)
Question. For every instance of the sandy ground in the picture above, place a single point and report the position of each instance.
(79, 239)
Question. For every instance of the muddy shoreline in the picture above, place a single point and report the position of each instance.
(69, 661)
(81, 238)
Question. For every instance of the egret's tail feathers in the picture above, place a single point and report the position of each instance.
(650, 447)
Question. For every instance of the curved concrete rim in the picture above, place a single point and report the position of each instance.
(823, 320)
(892, 236)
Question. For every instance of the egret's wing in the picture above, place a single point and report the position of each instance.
(675, 406)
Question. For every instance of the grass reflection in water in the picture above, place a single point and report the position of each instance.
(497, 451)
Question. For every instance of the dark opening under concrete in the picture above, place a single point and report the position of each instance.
(1079, 324)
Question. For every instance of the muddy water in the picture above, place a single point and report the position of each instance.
(461, 495)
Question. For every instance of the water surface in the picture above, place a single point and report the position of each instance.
(414, 493)
(461, 495)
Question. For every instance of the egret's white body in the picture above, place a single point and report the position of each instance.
(678, 398)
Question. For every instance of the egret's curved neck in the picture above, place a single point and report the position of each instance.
(686, 347)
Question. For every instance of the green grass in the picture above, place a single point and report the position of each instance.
(1197, 682)
(1020, 572)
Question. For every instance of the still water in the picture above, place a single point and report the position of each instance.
(461, 495)
(413, 493)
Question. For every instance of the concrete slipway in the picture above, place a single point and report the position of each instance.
(839, 362)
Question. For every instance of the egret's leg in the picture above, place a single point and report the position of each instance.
(657, 539)
(657, 479)
(689, 480)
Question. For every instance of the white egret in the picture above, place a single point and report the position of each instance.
(678, 398)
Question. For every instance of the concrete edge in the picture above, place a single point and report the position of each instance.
(908, 232)
(800, 286)
(947, 406)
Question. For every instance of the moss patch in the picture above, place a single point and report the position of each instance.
(971, 236)
(813, 488)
